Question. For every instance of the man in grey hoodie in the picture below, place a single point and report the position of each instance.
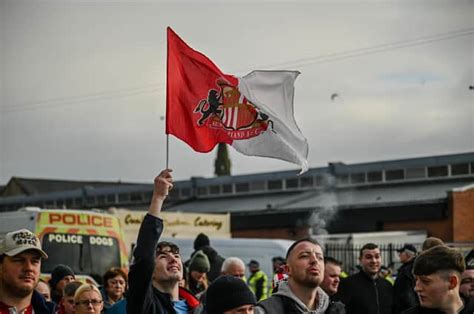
(302, 293)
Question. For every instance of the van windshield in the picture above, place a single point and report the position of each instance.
(85, 254)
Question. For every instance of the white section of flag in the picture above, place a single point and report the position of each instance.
(272, 93)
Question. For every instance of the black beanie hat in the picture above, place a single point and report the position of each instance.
(201, 240)
(226, 293)
(58, 273)
(199, 262)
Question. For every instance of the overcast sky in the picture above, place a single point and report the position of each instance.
(83, 82)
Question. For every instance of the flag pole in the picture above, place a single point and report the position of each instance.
(167, 149)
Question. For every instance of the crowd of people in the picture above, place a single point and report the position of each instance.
(436, 280)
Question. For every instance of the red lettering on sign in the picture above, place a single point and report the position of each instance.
(54, 218)
(69, 219)
(81, 220)
(108, 222)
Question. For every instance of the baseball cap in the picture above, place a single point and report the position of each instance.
(407, 247)
(16, 242)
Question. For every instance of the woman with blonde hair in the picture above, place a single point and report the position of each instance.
(88, 300)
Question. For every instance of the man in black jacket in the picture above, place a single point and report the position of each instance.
(365, 292)
(438, 276)
(157, 269)
(404, 295)
(20, 263)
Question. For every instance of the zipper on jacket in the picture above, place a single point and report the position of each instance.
(376, 296)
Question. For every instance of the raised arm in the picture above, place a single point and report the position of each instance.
(162, 185)
(140, 297)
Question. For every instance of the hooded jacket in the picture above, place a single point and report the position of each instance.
(285, 302)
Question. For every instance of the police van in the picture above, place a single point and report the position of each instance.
(89, 242)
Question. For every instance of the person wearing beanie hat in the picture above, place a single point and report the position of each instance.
(200, 241)
(198, 268)
(215, 260)
(229, 295)
(60, 277)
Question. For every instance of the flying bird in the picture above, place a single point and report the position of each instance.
(333, 96)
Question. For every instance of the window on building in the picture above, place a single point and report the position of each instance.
(306, 182)
(357, 178)
(257, 186)
(185, 192)
(319, 181)
(90, 200)
(275, 184)
(374, 176)
(343, 179)
(459, 169)
(77, 202)
(69, 203)
(472, 167)
(111, 198)
(101, 199)
(391, 175)
(124, 197)
(136, 197)
(174, 193)
(242, 187)
(415, 173)
(291, 183)
(149, 195)
(227, 188)
(438, 171)
(215, 189)
(202, 190)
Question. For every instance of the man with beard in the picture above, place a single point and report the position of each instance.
(20, 263)
(365, 292)
(301, 293)
(157, 268)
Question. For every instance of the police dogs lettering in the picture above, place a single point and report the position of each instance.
(229, 110)
(22, 238)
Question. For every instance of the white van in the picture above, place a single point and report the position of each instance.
(261, 250)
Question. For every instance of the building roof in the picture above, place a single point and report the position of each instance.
(28, 186)
(383, 183)
(348, 198)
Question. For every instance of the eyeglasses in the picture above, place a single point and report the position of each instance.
(94, 302)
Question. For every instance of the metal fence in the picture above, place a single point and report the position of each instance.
(348, 254)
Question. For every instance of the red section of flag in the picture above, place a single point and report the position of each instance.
(190, 78)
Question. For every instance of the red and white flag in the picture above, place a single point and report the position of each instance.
(253, 114)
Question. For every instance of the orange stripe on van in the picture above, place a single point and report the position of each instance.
(46, 231)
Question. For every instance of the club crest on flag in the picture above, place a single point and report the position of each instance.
(226, 108)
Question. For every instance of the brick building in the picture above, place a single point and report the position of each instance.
(435, 194)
